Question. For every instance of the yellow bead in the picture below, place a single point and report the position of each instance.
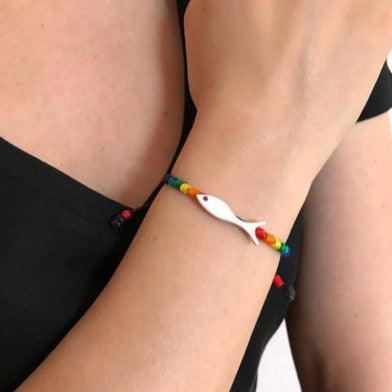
(277, 244)
(184, 188)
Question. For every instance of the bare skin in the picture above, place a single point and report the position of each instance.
(96, 91)
(121, 112)
(340, 323)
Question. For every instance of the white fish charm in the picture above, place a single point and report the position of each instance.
(221, 210)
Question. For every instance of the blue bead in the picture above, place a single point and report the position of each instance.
(171, 180)
(286, 250)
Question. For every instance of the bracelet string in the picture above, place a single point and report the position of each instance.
(221, 210)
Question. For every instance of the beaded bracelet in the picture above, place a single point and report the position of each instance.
(222, 211)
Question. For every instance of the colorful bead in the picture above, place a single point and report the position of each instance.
(171, 181)
(261, 234)
(177, 183)
(278, 281)
(194, 191)
(184, 188)
(286, 251)
(126, 214)
(119, 219)
(270, 239)
(166, 178)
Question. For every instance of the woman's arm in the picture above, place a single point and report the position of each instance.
(179, 311)
(339, 324)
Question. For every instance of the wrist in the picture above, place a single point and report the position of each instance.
(225, 155)
(308, 133)
(266, 129)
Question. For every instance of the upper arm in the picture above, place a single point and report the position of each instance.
(339, 325)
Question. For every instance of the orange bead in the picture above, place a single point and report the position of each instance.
(194, 191)
(270, 239)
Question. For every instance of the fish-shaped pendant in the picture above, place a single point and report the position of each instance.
(221, 210)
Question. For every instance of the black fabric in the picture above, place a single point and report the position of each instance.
(58, 250)
(381, 96)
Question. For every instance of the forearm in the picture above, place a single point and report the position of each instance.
(179, 310)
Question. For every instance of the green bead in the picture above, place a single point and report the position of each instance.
(177, 183)
(283, 248)
(286, 251)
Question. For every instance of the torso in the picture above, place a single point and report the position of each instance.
(95, 89)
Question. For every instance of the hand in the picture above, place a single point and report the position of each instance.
(312, 61)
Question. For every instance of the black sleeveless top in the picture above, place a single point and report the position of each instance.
(61, 241)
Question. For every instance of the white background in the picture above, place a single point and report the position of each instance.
(277, 371)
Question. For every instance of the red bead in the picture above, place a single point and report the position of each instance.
(126, 214)
(261, 234)
(278, 281)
